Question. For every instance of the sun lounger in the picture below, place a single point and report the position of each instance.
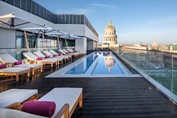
(72, 53)
(39, 54)
(66, 100)
(61, 58)
(14, 71)
(66, 53)
(35, 59)
(7, 98)
(8, 59)
(55, 53)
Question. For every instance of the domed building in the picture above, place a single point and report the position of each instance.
(109, 62)
(110, 36)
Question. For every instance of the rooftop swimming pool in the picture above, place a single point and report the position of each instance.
(96, 64)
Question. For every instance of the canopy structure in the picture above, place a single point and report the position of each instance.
(10, 21)
(60, 34)
(40, 30)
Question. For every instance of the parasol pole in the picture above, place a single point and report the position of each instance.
(26, 40)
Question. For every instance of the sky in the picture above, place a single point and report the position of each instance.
(136, 21)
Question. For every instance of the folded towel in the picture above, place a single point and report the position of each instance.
(17, 62)
(39, 58)
(42, 108)
(47, 56)
(55, 55)
(3, 66)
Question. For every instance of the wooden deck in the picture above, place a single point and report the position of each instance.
(106, 97)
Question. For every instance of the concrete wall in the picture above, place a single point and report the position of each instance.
(90, 34)
(7, 38)
(77, 29)
(81, 45)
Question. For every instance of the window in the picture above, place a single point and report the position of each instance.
(20, 41)
(17, 3)
(23, 4)
(10, 2)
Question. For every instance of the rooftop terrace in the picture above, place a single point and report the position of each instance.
(106, 97)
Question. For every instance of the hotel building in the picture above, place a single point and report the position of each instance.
(12, 40)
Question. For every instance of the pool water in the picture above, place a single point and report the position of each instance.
(99, 63)
(96, 64)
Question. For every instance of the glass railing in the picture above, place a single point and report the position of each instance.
(159, 68)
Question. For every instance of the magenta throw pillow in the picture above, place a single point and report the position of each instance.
(47, 56)
(3, 66)
(17, 62)
(39, 58)
(55, 55)
(42, 108)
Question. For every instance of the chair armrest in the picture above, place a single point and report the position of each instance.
(16, 106)
(64, 111)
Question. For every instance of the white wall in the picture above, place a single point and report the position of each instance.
(7, 38)
(77, 29)
(81, 45)
(90, 34)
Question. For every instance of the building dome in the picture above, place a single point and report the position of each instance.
(109, 62)
(110, 36)
(110, 26)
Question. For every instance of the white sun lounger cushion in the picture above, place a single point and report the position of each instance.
(14, 69)
(15, 95)
(62, 96)
(29, 65)
(51, 55)
(10, 113)
(64, 56)
(6, 58)
(30, 56)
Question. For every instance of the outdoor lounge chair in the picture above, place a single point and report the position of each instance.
(66, 100)
(8, 59)
(8, 97)
(55, 53)
(39, 54)
(65, 53)
(73, 51)
(34, 59)
(76, 54)
(47, 53)
(14, 71)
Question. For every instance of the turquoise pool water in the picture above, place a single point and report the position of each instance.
(99, 63)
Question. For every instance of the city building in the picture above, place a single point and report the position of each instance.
(110, 36)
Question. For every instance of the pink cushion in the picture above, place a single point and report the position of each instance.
(42, 108)
(47, 56)
(17, 62)
(39, 58)
(55, 55)
(3, 66)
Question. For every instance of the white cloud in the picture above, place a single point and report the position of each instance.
(103, 5)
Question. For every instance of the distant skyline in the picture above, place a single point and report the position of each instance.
(135, 20)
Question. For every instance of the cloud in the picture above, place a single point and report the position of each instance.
(74, 11)
(103, 5)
